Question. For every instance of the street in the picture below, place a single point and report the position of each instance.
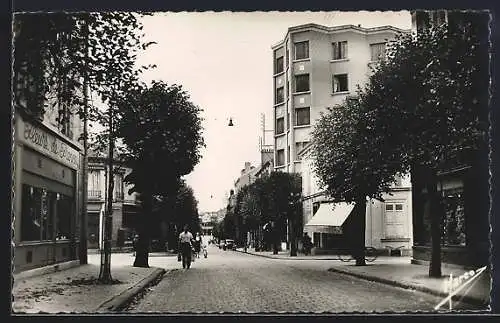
(229, 281)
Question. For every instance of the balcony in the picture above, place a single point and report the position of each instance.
(95, 195)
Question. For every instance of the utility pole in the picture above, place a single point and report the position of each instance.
(105, 273)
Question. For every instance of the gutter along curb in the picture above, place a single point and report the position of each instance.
(120, 301)
(401, 284)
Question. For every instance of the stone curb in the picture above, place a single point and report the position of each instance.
(46, 270)
(120, 301)
(468, 299)
(287, 258)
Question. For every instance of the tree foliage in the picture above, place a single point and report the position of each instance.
(422, 108)
(55, 52)
(161, 129)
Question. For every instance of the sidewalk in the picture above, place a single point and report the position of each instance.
(399, 272)
(75, 290)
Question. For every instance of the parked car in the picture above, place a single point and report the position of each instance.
(230, 245)
(222, 244)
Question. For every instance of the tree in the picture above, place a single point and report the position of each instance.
(60, 57)
(56, 53)
(428, 99)
(348, 166)
(163, 134)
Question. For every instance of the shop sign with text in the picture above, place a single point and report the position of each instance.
(49, 144)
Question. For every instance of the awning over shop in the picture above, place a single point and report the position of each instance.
(329, 217)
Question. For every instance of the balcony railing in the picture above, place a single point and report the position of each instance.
(94, 194)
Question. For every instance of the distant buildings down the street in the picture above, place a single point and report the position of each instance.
(126, 207)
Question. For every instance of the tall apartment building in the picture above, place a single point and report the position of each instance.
(316, 67)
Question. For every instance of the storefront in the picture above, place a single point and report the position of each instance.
(465, 225)
(46, 209)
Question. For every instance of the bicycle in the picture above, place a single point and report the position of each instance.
(370, 255)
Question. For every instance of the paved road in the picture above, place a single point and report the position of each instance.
(229, 281)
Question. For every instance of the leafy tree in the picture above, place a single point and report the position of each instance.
(421, 105)
(429, 100)
(348, 166)
(271, 199)
(55, 54)
(162, 131)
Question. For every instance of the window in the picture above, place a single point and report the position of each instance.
(65, 121)
(398, 181)
(302, 50)
(302, 116)
(298, 147)
(44, 212)
(287, 56)
(118, 189)
(280, 157)
(377, 52)
(339, 50)
(280, 95)
(280, 125)
(302, 83)
(316, 239)
(340, 83)
(438, 17)
(288, 121)
(389, 207)
(278, 68)
(63, 216)
(288, 154)
(454, 219)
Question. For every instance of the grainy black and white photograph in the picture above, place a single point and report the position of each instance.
(251, 162)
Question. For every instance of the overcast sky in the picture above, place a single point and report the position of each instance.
(224, 60)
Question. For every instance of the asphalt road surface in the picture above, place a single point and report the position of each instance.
(229, 281)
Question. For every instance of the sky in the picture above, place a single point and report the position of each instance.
(224, 60)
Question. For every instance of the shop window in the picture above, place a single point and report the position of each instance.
(63, 217)
(31, 213)
(45, 213)
(454, 218)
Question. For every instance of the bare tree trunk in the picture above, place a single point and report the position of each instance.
(141, 255)
(436, 219)
(360, 228)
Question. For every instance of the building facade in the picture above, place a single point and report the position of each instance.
(126, 207)
(463, 184)
(47, 182)
(316, 67)
(388, 223)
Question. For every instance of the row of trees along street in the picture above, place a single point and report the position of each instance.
(59, 58)
(424, 103)
(274, 200)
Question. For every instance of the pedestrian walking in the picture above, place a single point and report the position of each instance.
(306, 242)
(185, 247)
